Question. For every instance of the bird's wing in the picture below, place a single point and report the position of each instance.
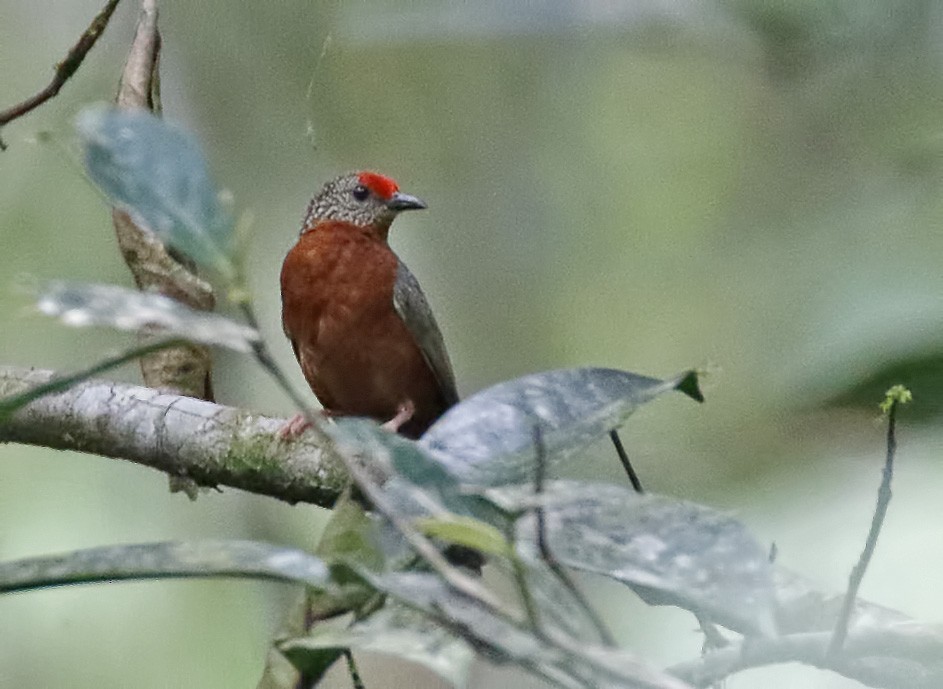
(411, 305)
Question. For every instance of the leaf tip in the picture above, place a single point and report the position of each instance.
(689, 384)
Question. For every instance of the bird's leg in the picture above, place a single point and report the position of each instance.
(298, 424)
(404, 412)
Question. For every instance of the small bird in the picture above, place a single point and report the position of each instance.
(358, 322)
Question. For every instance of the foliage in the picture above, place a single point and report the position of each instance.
(475, 480)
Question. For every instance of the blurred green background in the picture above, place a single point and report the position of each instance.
(751, 184)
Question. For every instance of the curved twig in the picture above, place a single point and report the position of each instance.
(64, 70)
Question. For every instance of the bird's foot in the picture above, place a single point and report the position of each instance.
(299, 423)
(404, 412)
(296, 425)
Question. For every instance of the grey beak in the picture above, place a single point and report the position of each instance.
(404, 202)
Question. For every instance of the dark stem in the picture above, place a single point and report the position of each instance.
(540, 469)
(267, 361)
(626, 464)
(10, 404)
(877, 521)
(520, 578)
(352, 669)
(64, 70)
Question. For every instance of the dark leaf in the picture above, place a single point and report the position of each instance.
(310, 659)
(157, 173)
(670, 552)
(488, 439)
(393, 630)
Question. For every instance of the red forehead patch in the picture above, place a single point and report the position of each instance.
(380, 185)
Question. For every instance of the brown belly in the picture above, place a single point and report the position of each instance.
(355, 351)
(370, 366)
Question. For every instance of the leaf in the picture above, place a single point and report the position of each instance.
(414, 484)
(574, 663)
(394, 630)
(157, 173)
(416, 480)
(669, 551)
(313, 661)
(467, 532)
(249, 559)
(349, 536)
(488, 439)
(389, 454)
(81, 305)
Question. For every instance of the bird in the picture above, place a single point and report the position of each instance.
(358, 321)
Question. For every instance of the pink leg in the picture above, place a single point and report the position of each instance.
(296, 425)
(404, 412)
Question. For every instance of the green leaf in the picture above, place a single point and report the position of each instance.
(670, 552)
(248, 559)
(394, 630)
(467, 532)
(350, 536)
(313, 661)
(488, 439)
(157, 173)
(78, 304)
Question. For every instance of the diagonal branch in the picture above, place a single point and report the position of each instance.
(184, 369)
(208, 443)
(884, 647)
(64, 70)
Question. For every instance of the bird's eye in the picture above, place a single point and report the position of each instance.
(360, 192)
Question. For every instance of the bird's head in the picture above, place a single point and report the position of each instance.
(364, 199)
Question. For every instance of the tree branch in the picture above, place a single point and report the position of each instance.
(212, 445)
(64, 70)
(874, 657)
(184, 369)
(884, 647)
(216, 445)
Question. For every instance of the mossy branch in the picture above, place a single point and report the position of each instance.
(210, 444)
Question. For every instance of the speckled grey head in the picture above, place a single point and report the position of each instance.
(365, 199)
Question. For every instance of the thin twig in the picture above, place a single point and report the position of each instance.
(267, 362)
(626, 464)
(422, 545)
(520, 577)
(11, 404)
(155, 267)
(355, 678)
(64, 70)
(877, 521)
(540, 469)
